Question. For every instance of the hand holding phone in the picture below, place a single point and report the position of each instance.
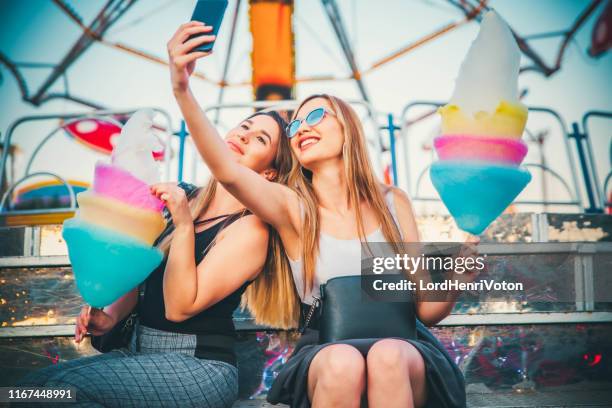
(211, 13)
(182, 60)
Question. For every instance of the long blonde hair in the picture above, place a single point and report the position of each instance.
(361, 185)
(271, 298)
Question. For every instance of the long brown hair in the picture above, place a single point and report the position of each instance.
(361, 186)
(271, 297)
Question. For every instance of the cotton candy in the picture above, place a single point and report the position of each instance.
(489, 73)
(141, 224)
(106, 264)
(480, 148)
(476, 193)
(134, 150)
(114, 182)
(471, 148)
(110, 239)
(507, 120)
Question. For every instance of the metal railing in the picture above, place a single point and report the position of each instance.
(6, 196)
(601, 190)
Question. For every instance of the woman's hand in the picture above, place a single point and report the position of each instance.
(176, 202)
(94, 321)
(182, 62)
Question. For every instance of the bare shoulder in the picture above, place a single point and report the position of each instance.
(405, 214)
(249, 226)
(401, 200)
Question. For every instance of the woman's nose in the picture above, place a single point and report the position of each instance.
(303, 127)
(244, 138)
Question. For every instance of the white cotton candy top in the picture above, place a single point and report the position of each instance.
(337, 257)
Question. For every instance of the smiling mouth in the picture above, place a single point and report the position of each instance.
(307, 142)
(235, 147)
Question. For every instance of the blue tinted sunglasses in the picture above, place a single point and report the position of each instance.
(313, 118)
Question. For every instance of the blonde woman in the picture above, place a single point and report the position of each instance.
(333, 205)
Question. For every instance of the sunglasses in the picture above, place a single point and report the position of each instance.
(313, 118)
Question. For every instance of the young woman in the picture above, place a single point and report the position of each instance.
(181, 353)
(333, 205)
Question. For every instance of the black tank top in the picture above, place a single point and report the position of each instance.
(214, 327)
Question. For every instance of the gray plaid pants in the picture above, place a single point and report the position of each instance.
(162, 373)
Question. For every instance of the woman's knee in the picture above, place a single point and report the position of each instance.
(340, 364)
(391, 356)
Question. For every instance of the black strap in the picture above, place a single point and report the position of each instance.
(141, 294)
(307, 317)
(207, 220)
(229, 218)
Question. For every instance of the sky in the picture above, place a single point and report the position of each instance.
(36, 31)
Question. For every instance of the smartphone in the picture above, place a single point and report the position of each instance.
(209, 12)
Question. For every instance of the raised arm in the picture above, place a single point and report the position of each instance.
(242, 182)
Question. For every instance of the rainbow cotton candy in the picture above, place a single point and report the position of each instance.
(507, 120)
(476, 193)
(106, 264)
(114, 182)
(489, 72)
(110, 239)
(480, 148)
(134, 151)
(140, 224)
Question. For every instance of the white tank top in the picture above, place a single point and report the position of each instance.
(337, 257)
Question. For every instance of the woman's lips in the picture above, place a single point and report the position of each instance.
(235, 147)
(306, 142)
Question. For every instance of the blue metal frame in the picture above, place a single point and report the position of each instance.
(391, 128)
(591, 190)
(182, 134)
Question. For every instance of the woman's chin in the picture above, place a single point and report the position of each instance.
(312, 161)
(307, 164)
(238, 158)
(308, 158)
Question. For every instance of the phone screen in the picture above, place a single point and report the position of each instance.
(209, 12)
